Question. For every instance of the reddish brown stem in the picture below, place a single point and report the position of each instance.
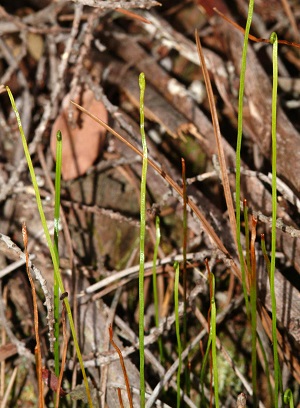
(120, 398)
(38, 352)
(252, 252)
(252, 37)
(122, 365)
(133, 15)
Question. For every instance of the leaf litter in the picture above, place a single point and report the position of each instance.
(56, 51)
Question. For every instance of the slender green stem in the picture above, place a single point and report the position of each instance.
(142, 85)
(213, 334)
(202, 372)
(253, 297)
(154, 277)
(177, 328)
(266, 367)
(274, 41)
(238, 150)
(56, 232)
(50, 245)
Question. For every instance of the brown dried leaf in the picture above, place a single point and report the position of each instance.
(82, 140)
(51, 381)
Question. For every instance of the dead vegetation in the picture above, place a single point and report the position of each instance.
(52, 52)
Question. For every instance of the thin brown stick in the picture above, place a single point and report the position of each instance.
(221, 155)
(12, 379)
(288, 11)
(120, 398)
(252, 252)
(122, 365)
(133, 15)
(36, 322)
(252, 37)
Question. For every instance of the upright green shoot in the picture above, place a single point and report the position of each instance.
(253, 297)
(177, 328)
(213, 336)
(238, 150)
(274, 41)
(211, 344)
(50, 245)
(56, 232)
(202, 372)
(142, 85)
(154, 276)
